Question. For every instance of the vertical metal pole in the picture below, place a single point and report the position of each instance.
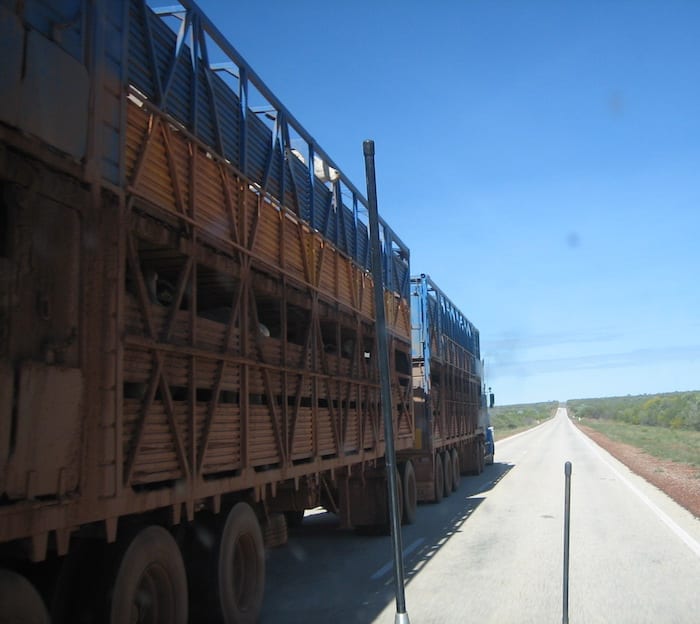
(384, 374)
(567, 525)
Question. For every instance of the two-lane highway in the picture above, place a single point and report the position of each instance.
(493, 551)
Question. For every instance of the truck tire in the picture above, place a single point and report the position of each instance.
(383, 527)
(240, 574)
(455, 469)
(477, 457)
(274, 530)
(447, 467)
(149, 582)
(410, 492)
(465, 458)
(21, 602)
(439, 478)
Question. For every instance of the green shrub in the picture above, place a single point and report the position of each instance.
(510, 418)
(666, 443)
(677, 410)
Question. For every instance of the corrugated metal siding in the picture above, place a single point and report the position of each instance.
(140, 71)
(301, 183)
(178, 89)
(111, 108)
(289, 191)
(401, 274)
(215, 98)
(228, 106)
(346, 234)
(363, 246)
(444, 319)
(44, 16)
(206, 118)
(259, 144)
(324, 215)
(163, 43)
(276, 171)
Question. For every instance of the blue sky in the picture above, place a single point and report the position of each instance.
(540, 159)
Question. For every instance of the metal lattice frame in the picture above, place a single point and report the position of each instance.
(214, 219)
(171, 67)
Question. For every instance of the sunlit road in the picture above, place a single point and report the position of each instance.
(493, 551)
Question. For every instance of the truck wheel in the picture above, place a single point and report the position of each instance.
(410, 492)
(439, 478)
(478, 454)
(447, 467)
(455, 469)
(274, 530)
(21, 602)
(465, 458)
(150, 584)
(241, 567)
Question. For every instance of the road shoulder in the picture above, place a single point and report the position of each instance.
(678, 481)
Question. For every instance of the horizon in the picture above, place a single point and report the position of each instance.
(619, 396)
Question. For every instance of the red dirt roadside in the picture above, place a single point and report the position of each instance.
(679, 481)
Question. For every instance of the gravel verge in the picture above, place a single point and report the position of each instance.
(679, 481)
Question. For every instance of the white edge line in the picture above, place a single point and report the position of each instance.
(389, 565)
(689, 541)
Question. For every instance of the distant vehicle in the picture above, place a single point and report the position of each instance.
(448, 403)
(490, 446)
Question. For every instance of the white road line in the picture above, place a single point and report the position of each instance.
(688, 540)
(388, 566)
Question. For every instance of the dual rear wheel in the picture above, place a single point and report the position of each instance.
(456, 469)
(150, 582)
(214, 572)
(21, 602)
(439, 472)
(227, 562)
(227, 573)
(447, 470)
(447, 467)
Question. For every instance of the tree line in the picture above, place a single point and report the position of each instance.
(516, 416)
(676, 410)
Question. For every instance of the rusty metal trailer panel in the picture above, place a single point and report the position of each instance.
(186, 310)
(447, 391)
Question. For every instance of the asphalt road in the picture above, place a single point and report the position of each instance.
(493, 551)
